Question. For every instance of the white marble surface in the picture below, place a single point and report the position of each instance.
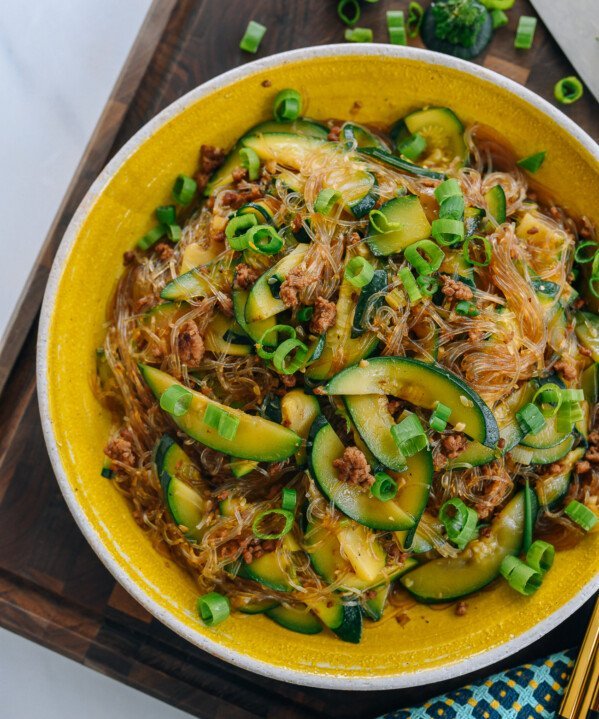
(58, 62)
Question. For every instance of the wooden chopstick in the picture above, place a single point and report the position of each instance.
(582, 689)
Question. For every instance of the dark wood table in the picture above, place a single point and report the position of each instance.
(53, 589)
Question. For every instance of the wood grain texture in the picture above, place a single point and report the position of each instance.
(53, 589)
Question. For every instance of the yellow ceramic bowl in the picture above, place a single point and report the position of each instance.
(388, 82)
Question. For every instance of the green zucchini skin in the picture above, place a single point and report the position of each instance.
(297, 620)
(408, 212)
(350, 629)
(422, 384)
(547, 455)
(362, 136)
(496, 203)
(378, 283)
(448, 579)
(430, 39)
(373, 608)
(396, 162)
(550, 489)
(276, 442)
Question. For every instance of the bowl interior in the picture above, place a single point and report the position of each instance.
(434, 643)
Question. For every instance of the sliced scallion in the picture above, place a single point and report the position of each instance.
(448, 188)
(439, 417)
(236, 231)
(219, 419)
(582, 515)
(326, 200)
(447, 232)
(287, 105)
(268, 514)
(466, 309)
(525, 32)
(213, 608)
(415, 17)
(250, 160)
(176, 400)
(459, 521)
(432, 260)
(452, 208)
(359, 271)
(548, 398)
(166, 214)
(349, 11)
(477, 241)
(498, 19)
(520, 576)
(530, 418)
(184, 189)
(289, 499)
(540, 556)
(409, 285)
(409, 435)
(151, 237)
(568, 90)
(381, 223)
(173, 232)
(250, 42)
(586, 252)
(273, 332)
(358, 34)
(384, 487)
(289, 356)
(264, 239)
(412, 147)
(428, 285)
(304, 314)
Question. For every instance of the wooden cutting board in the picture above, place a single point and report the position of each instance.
(53, 589)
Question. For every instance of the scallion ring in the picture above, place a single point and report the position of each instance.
(358, 34)
(477, 241)
(353, 6)
(273, 332)
(409, 435)
(582, 515)
(166, 214)
(250, 42)
(413, 146)
(530, 418)
(540, 556)
(287, 105)
(236, 231)
(439, 417)
(173, 232)
(459, 521)
(410, 285)
(548, 398)
(428, 285)
(289, 356)
(466, 309)
(250, 160)
(520, 576)
(415, 16)
(223, 422)
(176, 400)
(326, 200)
(184, 189)
(447, 232)
(432, 260)
(359, 271)
(448, 188)
(593, 285)
(151, 237)
(262, 516)
(213, 608)
(264, 239)
(384, 487)
(452, 208)
(568, 90)
(525, 32)
(582, 254)
(289, 499)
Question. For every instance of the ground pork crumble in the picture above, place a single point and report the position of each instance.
(190, 344)
(352, 467)
(325, 313)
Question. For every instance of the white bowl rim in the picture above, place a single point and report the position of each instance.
(306, 678)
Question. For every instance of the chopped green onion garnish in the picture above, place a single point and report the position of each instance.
(184, 189)
(213, 608)
(326, 200)
(282, 360)
(274, 332)
(166, 214)
(250, 42)
(476, 241)
(592, 285)
(582, 256)
(219, 419)
(582, 515)
(548, 398)
(285, 513)
(173, 232)
(380, 222)
(572, 395)
(409, 284)
(498, 4)
(433, 259)
(250, 160)
(567, 415)
(448, 188)
(304, 314)
(439, 417)
(107, 472)
(289, 499)
(459, 521)
(568, 90)
(358, 34)
(395, 18)
(520, 576)
(428, 285)
(525, 32)
(396, 27)
(532, 163)
(236, 231)
(540, 556)
(176, 400)
(412, 147)
(359, 271)
(264, 239)
(287, 105)
(498, 19)
(466, 309)
(415, 16)
(447, 232)
(530, 418)
(349, 11)
(384, 487)
(151, 237)
(452, 208)
(409, 435)
(531, 508)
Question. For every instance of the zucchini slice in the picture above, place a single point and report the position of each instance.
(374, 607)
(356, 503)
(496, 204)
(371, 416)
(342, 618)
(256, 438)
(473, 218)
(241, 467)
(224, 175)
(201, 281)
(296, 619)
(259, 607)
(176, 472)
(298, 412)
(324, 550)
(282, 147)
(422, 384)
(408, 217)
(361, 136)
(195, 254)
(398, 163)
(225, 336)
(553, 487)
(587, 331)
(443, 580)
(267, 571)
(255, 330)
(547, 455)
(340, 349)
(261, 303)
(549, 436)
(443, 132)
(417, 539)
(377, 284)
(590, 383)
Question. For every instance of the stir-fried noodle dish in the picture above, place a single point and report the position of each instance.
(353, 368)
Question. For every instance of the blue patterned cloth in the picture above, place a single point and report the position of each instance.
(531, 691)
